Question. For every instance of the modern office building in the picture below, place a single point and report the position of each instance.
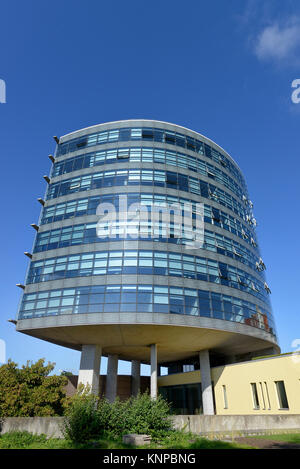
(146, 250)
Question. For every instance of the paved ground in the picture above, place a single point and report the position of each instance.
(266, 444)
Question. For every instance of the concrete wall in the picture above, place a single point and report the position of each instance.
(200, 424)
(210, 424)
(237, 379)
(50, 426)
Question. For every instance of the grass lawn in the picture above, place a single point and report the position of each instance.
(174, 440)
(271, 441)
(26, 440)
(285, 437)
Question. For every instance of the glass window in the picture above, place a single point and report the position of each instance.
(145, 308)
(111, 297)
(161, 290)
(145, 262)
(53, 302)
(111, 308)
(144, 297)
(115, 262)
(128, 297)
(176, 299)
(96, 298)
(163, 299)
(281, 395)
(127, 307)
(255, 396)
(67, 301)
(95, 308)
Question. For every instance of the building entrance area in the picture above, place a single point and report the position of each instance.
(185, 399)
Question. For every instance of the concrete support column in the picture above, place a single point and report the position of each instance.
(111, 378)
(207, 395)
(90, 367)
(153, 381)
(135, 377)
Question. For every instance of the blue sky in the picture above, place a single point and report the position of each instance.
(222, 68)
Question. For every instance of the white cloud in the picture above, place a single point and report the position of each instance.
(278, 42)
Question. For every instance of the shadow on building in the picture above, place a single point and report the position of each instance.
(124, 385)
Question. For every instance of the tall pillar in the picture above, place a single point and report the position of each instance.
(153, 381)
(135, 377)
(111, 378)
(207, 395)
(90, 367)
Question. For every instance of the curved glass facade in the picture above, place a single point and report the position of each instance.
(144, 298)
(87, 206)
(151, 134)
(74, 270)
(147, 155)
(149, 177)
(146, 263)
(212, 242)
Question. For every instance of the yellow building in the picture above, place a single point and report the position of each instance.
(269, 385)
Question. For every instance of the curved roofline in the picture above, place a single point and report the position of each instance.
(73, 330)
(154, 120)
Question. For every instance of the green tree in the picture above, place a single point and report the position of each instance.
(31, 391)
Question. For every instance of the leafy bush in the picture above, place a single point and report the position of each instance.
(141, 415)
(30, 391)
(88, 418)
(81, 422)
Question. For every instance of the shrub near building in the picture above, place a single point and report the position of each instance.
(88, 418)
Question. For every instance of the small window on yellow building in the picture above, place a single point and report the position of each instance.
(262, 395)
(255, 396)
(281, 394)
(267, 394)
